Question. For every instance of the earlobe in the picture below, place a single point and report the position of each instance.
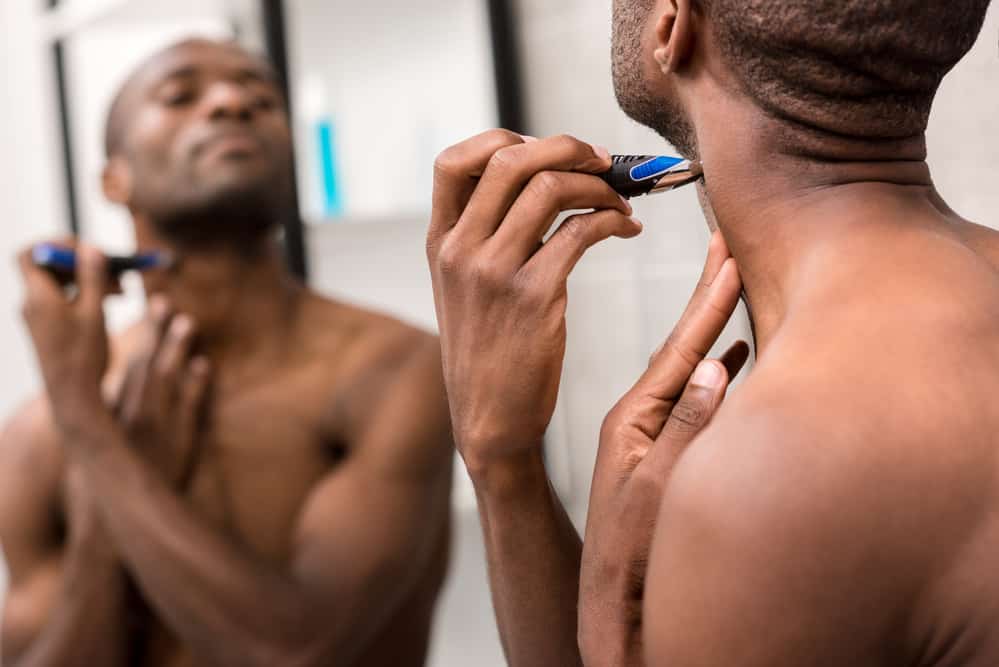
(673, 36)
(117, 181)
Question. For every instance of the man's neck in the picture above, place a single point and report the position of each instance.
(243, 299)
(778, 207)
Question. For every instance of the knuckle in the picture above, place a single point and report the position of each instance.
(484, 274)
(545, 185)
(690, 414)
(613, 422)
(501, 137)
(674, 344)
(448, 162)
(448, 257)
(505, 160)
(567, 141)
(575, 228)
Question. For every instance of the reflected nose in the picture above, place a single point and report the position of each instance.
(228, 100)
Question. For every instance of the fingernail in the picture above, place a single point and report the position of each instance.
(627, 205)
(638, 223)
(181, 325)
(707, 374)
(528, 138)
(158, 306)
(602, 153)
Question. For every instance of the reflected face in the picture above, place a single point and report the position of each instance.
(643, 91)
(205, 133)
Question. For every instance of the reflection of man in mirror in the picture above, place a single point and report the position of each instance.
(266, 478)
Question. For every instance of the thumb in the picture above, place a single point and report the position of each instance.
(92, 279)
(697, 405)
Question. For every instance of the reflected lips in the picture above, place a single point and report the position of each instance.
(231, 145)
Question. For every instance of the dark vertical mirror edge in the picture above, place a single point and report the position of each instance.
(65, 131)
(506, 65)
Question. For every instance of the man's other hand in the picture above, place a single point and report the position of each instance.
(500, 292)
(69, 334)
(161, 398)
(640, 442)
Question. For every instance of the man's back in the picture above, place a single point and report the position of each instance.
(858, 467)
(284, 426)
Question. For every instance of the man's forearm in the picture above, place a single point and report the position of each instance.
(88, 624)
(534, 556)
(224, 606)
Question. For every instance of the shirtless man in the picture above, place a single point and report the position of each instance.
(840, 508)
(270, 485)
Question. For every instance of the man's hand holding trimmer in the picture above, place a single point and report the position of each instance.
(156, 403)
(501, 297)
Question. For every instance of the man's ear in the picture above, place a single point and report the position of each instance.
(116, 181)
(674, 35)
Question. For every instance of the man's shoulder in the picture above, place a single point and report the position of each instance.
(386, 369)
(377, 334)
(30, 443)
(808, 467)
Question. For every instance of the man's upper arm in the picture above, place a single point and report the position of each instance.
(777, 547)
(31, 466)
(369, 530)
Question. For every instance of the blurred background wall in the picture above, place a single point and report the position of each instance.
(624, 296)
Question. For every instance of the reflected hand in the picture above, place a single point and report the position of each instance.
(641, 440)
(69, 334)
(500, 293)
(161, 399)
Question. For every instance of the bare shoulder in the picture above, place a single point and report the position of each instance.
(30, 443)
(31, 471)
(374, 337)
(825, 462)
(391, 393)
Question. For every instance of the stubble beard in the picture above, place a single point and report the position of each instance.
(634, 94)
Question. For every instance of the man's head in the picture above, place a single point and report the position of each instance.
(197, 141)
(857, 69)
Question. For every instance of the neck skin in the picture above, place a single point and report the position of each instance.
(778, 207)
(243, 300)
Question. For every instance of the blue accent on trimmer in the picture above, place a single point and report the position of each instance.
(46, 254)
(63, 260)
(657, 166)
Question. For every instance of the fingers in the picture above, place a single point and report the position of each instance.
(157, 372)
(138, 390)
(191, 404)
(699, 327)
(175, 350)
(692, 412)
(717, 254)
(93, 279)
(552, 264)
(511, 168)
(546, 195)
(40, 286)
(456, 173)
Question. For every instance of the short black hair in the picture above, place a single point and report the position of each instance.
(858, 68)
